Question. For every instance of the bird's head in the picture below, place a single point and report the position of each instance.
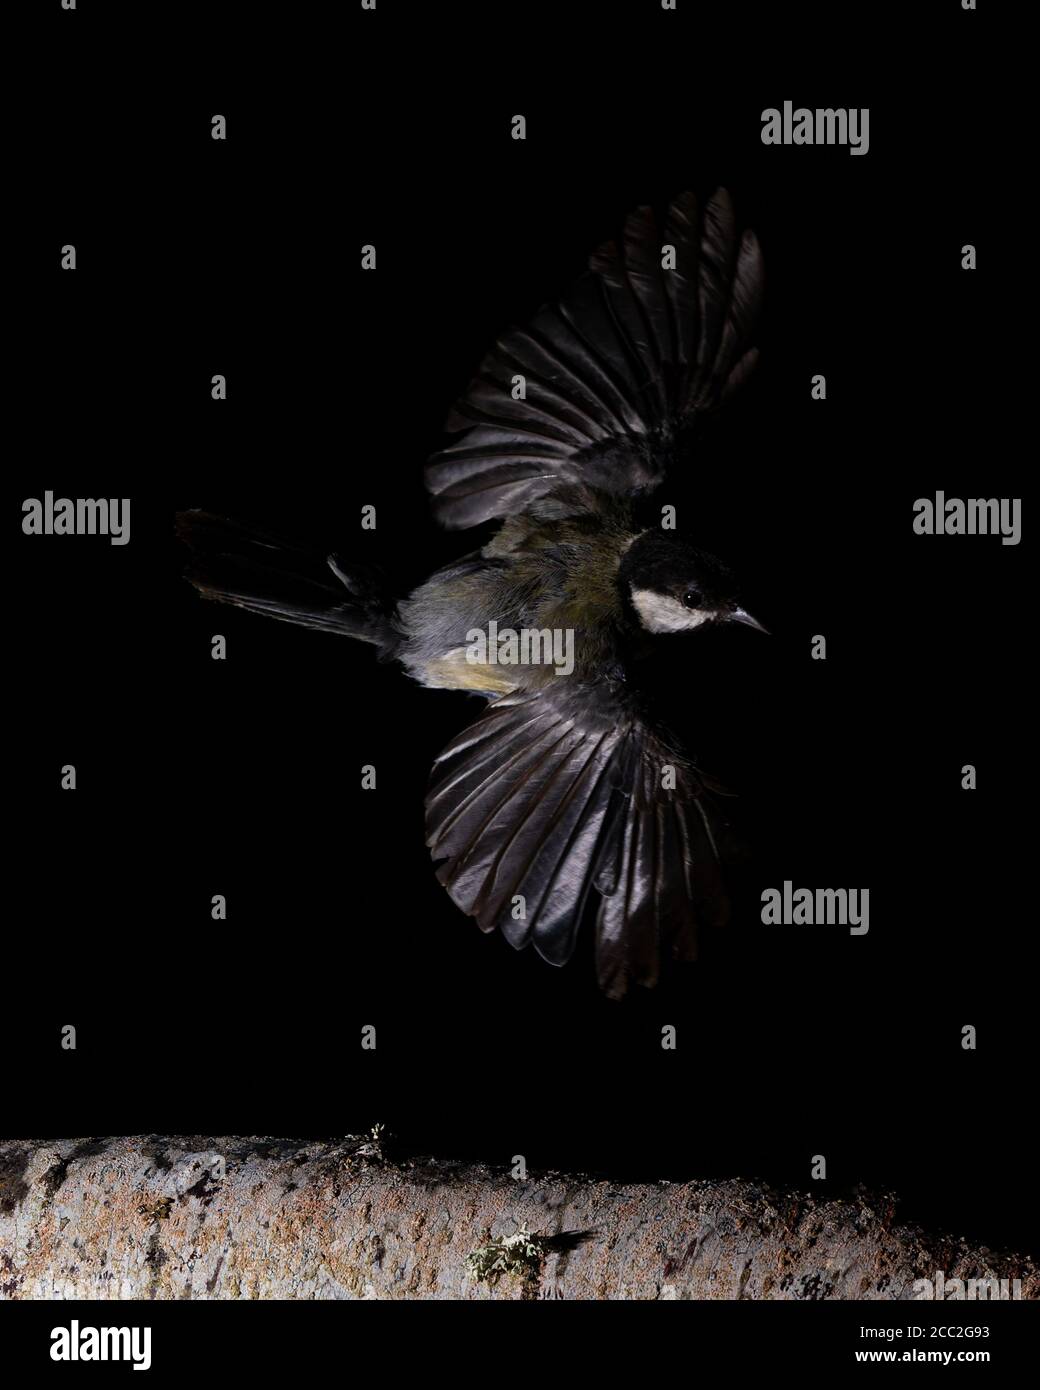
(671, 587)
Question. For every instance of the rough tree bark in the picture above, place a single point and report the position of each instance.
(198, 1217)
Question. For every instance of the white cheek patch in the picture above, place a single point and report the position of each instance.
(662, 613)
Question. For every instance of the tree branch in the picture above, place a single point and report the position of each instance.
(198, 1217)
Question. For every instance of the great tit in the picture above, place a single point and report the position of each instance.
(564, 792)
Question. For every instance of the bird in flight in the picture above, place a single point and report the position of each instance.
(564, 795)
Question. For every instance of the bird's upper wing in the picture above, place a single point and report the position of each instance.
(613, 374)
(550, 799)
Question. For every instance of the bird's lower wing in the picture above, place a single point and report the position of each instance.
(549, 798)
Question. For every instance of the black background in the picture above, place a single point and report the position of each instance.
(242, 777)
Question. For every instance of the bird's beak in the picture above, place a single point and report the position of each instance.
(741, 615)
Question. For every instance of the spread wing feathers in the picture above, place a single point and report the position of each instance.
(531, 809)
(613, 374)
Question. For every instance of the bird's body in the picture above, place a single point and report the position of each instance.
(554, 575)
(565, 791)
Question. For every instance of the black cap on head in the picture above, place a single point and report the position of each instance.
(665, 564)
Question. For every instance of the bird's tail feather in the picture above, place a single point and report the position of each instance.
(236, 563)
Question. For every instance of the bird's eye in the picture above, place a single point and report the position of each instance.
(691, 598)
